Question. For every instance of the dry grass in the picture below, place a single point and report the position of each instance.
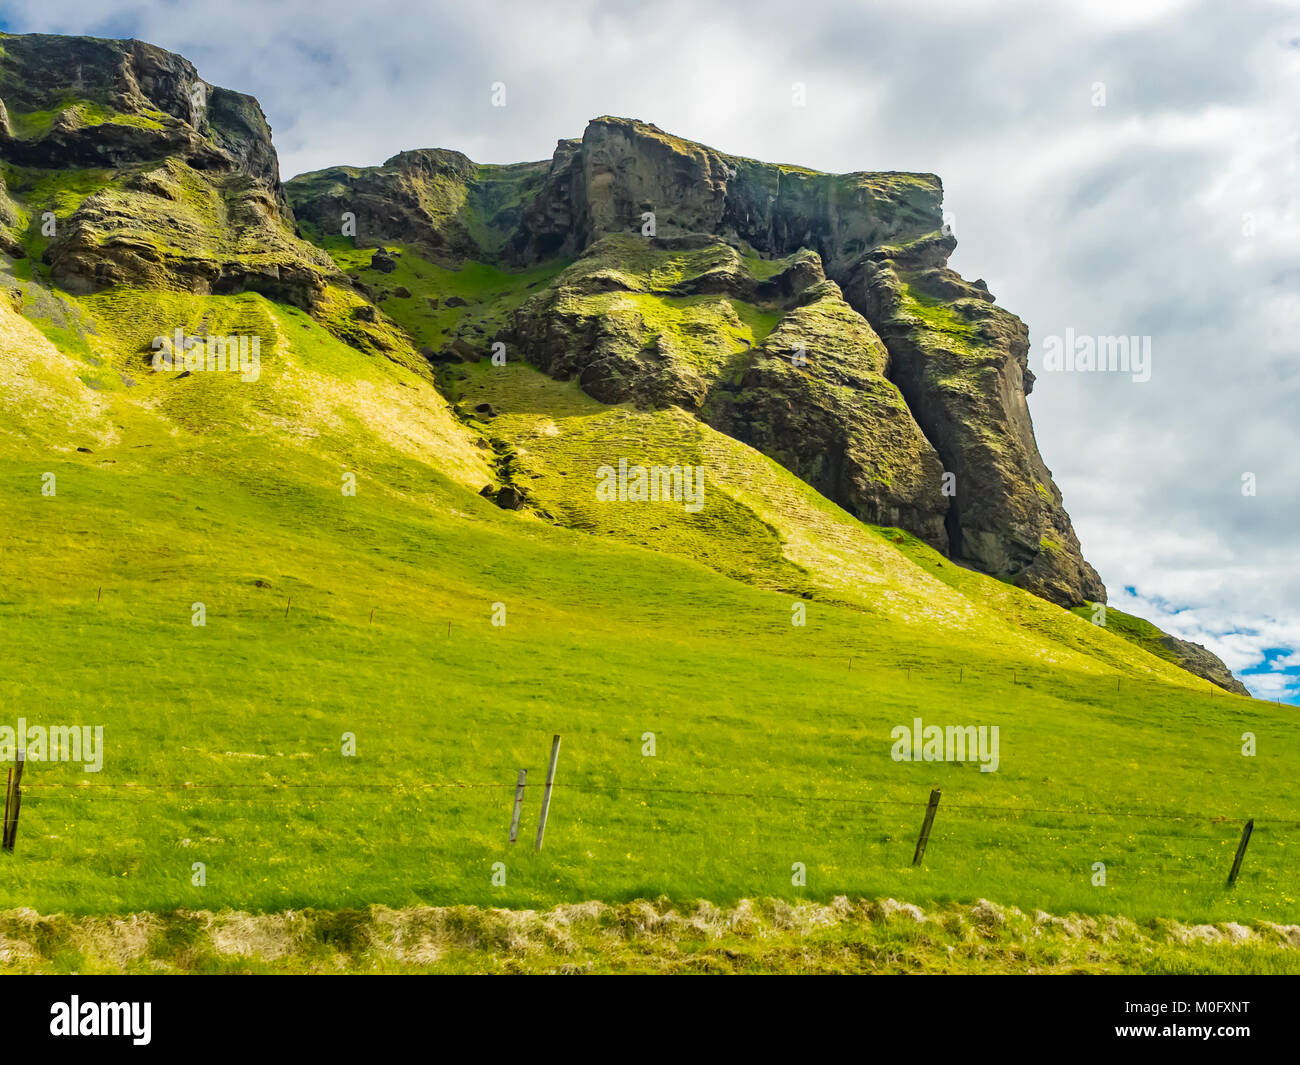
(754, 936)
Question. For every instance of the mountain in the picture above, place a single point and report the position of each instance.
(860, 408)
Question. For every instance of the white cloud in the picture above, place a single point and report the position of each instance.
(1282, 686)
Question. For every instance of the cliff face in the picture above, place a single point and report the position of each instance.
(959, 362)
(962, 364)
(437, 200)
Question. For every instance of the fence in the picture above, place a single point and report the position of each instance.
(346, 789)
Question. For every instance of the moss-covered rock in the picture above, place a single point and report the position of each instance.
(816, 399)
(151, 175)
(623, 169)
(780, 362)
(436, 200)
(961, 363)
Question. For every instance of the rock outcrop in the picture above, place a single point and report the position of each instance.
(896, 321)
(175, 181)
(1203, 662)
(962, 364)
(436, 200)
(780, 362)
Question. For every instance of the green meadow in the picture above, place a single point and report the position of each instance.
(224, 742)
(320, 657)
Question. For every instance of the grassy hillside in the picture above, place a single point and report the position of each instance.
(772, 741)
(327, 605)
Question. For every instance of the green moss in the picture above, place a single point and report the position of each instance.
(61, 191)
(639, 265)
(760, 320)
(629, 290)
(489, 294)
(704, 331)
(89, 113)
(33, 125)
(937, 316)
(762, 268)
(163, 213)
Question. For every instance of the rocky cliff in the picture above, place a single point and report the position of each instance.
(171, 181)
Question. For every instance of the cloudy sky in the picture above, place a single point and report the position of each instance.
(1112, 167)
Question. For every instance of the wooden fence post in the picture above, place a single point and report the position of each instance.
(519, 802)
(546, 792)
(13, 801)
(1241, 851)
(924, 838)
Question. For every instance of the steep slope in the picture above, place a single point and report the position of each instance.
(760, 524)
(810, 315)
